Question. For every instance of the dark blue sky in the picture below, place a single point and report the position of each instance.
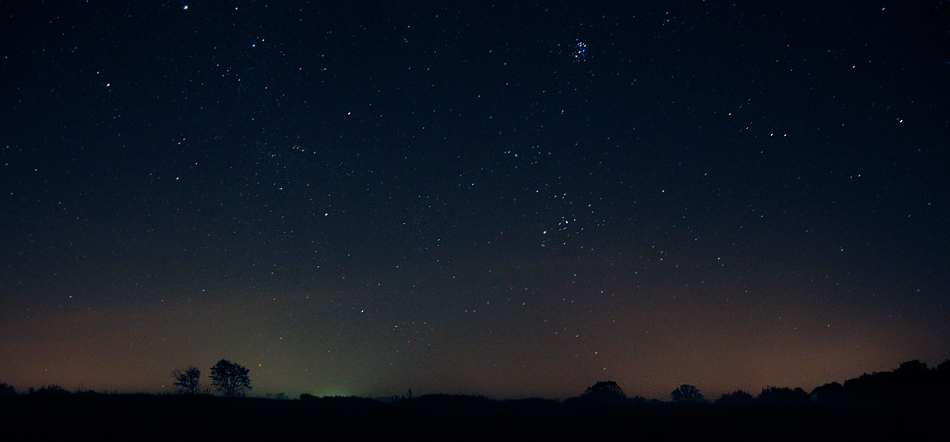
(501, 200)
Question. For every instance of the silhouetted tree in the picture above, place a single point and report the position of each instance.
(188, 379)
(687, 394)
(229, 378)
(784, 397)
(50, 391)
(911, 383)
(911, 368)
(737, 397)
(941, 379)
(604, 390)
(7, 390)
(829, 394)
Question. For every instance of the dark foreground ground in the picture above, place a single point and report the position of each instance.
(150, 417)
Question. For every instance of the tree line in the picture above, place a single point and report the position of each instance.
(227, 378)
(911, 383)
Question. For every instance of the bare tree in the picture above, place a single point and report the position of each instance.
(188, 379)
(229, 378)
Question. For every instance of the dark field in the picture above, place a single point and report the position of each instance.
(449, 417)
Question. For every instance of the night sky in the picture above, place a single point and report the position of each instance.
(359, 198)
